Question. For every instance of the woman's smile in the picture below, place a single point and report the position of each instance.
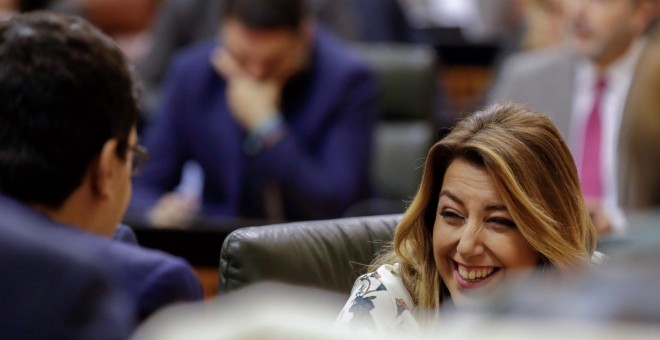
(470, 277)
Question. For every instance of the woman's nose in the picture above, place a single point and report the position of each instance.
(470, 243)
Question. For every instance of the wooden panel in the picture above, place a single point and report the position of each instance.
(209, 278)
(465, 86)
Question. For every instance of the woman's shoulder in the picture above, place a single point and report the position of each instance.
(379, 301)
(389, 277)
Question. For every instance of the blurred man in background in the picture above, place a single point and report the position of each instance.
(584, 89)
(279, 117)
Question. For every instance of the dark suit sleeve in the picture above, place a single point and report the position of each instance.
(324, 183)
(171, 281)
(49, 292)
(97, 310)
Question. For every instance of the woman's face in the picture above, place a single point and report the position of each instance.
(476, 244)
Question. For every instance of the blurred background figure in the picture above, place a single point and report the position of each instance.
(544, 24)
(180, 23)
(584, 89)
(279, 116)
(128, 22)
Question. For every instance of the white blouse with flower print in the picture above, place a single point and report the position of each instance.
(379, 301)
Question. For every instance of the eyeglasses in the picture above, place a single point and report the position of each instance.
(140, 156)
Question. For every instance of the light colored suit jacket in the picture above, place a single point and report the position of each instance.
(544, 81)
(541, 80)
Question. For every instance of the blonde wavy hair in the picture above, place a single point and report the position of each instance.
(533, 171)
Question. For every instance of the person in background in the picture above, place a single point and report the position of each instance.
(499, 199)
(584, 89)
(68, 149)
(279, 117)
(180, 23)
(545, 25)
(128, 22)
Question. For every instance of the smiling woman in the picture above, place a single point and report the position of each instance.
(475, 241)
(499, 198)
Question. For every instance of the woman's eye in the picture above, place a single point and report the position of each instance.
(503, 222)
(451, 216)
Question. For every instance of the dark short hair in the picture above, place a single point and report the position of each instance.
(33, 5)
(65, 90)
(266, 14)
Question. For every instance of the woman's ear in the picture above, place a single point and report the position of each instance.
(104, 168)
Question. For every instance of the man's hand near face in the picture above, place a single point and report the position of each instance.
(252, 101)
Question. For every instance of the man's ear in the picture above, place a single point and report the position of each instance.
(104, 169)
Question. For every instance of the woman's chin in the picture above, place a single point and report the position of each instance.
(474, 295)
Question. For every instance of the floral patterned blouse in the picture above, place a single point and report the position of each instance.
(379, 302)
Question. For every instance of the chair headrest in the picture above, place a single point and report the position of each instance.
(407, 75)
(327, 254)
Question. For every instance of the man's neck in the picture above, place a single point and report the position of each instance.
(603, 63)
(78, 211)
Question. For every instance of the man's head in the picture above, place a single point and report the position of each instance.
(68, 109)
(268, 39)
(603, 30)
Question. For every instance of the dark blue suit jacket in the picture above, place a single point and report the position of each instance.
(321, 165)
(150, 279)
(153, 278)
(52, 288)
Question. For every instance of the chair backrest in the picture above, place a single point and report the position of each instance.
(327, 254)
(407, 75)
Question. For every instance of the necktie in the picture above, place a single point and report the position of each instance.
(591, 170)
